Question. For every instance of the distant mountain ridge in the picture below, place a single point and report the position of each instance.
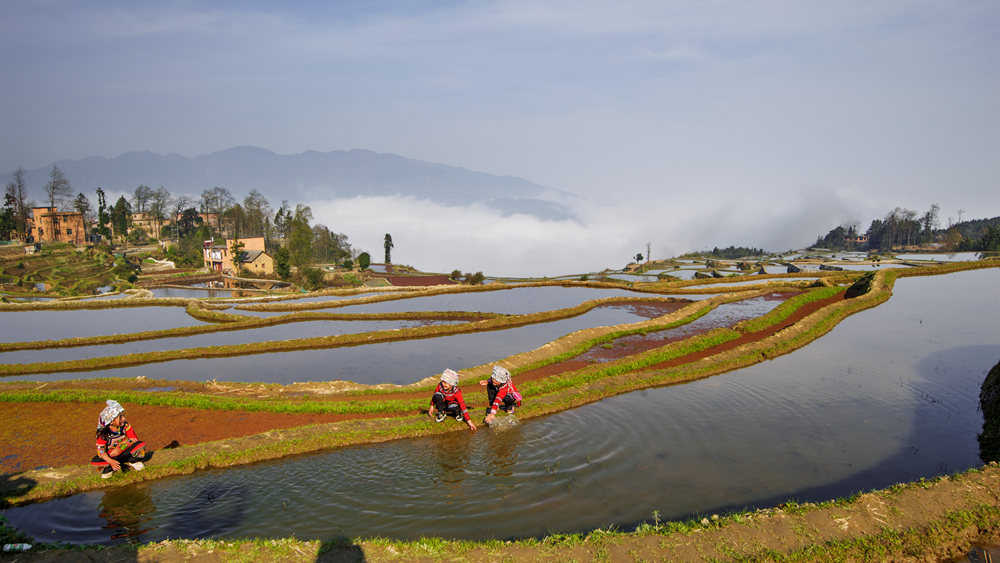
(303, 177)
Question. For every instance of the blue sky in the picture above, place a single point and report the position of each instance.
(715, 122)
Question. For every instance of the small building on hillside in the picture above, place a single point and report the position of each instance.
(48, 224)
(146, 222)
(258, 262)
(219, 258)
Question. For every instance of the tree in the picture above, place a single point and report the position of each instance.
(649, 250)
(121, 218)
(188, 222)
(991, 239)
(17, 190)
(215, 201)
(236, 217)
(388, 248)
(7, 222)
(103, 216)
(58, 189)
(282, 220)
(364, 260)
(282, 263)
(258, 216)
(300, 236)
(82, 205)
(236, 249)
(638, 258)
(142, 196)
(930, 222)
(159, 205)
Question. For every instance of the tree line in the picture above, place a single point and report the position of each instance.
(906, 228)
(289, 233)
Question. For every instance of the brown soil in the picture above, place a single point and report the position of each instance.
(400, 280)
(60, 434)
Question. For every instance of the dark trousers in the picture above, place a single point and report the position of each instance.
(491, 395)
(134, 452)
(448, 407)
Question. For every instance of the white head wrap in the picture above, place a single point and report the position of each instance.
(109, 413)
(450, 377)
(500, 375)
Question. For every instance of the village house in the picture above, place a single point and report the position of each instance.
(146, 222)
(255, 261)
(859, 240)
(48, 224)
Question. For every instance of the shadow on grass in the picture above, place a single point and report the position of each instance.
(14, 485)
(340, 550)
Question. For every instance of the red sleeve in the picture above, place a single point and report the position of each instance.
(501, 393)
(131, 433)
(461, 404)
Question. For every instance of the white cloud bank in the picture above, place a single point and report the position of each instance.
(440, 238)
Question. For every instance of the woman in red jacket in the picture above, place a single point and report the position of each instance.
(447, 400)
(117, 444)
(501, 393)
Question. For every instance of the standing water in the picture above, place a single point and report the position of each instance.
(889, 395)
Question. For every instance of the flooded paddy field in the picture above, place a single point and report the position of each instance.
(889, 395)
(513, 301)
(400, 362)
(24, 326)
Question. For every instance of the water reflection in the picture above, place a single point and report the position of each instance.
(128, 512)
(390, 362)
(24, 326)
(214, 510)
(889, 395)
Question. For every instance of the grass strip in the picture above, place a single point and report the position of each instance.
(786, 309)
(666, 353)
(240, 322)
(208, 402)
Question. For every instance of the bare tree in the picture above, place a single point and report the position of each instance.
(649, 247)
(216, 201)
(17, 190)
(258, 214)
(142, 196)
(58, 189)
(159, 204)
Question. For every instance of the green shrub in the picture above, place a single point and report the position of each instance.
(862, 286)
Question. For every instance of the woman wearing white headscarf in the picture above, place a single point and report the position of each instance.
(117, 444)
(501, 393)
(447, 400)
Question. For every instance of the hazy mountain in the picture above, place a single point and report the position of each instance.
(301, 178)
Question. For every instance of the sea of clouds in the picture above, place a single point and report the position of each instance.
(440, 238)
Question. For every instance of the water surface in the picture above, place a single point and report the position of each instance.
(889, 395)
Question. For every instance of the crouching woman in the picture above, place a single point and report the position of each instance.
(447, 400)
(117, 443)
